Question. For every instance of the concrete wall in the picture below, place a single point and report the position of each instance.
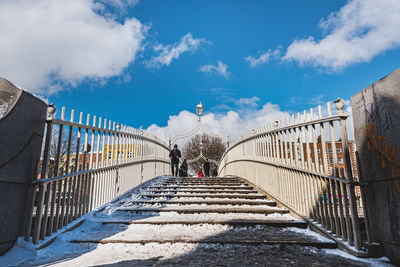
(376, 114)
(22, 120)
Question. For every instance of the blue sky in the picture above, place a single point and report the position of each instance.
(130, 76)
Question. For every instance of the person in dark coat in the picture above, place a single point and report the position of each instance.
(184, 168)
(206, 167)
(215, 173)
(174, 155)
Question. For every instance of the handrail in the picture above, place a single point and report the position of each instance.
(300, 162)
(84, 166)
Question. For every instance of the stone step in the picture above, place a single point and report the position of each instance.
(202, 187)
(207, 202)
(203, 179)
(206, 210)
(269, 223)
(320, 245)
(201, 233)
(202, 183)
(205, 191)
(205, 195)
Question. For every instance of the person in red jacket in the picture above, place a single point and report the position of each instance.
(200, 173)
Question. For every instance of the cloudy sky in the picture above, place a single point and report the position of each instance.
(148, 63)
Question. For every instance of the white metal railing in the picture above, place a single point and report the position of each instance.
(288, 159)
(84, 166)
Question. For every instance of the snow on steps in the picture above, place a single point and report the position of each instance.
(215, 210)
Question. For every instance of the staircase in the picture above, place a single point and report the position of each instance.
(192, 222)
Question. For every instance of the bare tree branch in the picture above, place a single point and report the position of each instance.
(213, 148)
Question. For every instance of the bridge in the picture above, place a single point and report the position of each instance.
(98, 185)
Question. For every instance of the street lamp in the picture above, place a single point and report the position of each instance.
(199, 109)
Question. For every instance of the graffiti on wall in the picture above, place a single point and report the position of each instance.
(386, 150)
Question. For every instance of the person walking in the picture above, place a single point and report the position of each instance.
(174, 155)
(215, 173)
(184, 168)
(206, 167)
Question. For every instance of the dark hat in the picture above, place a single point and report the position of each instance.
(175, 146)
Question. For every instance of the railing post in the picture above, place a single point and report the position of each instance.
(349, 175)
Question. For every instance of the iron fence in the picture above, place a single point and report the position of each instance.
(302, 164)
(84, 166)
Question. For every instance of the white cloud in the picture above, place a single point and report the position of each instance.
(121, 5)
(50, 45)
(253, 101)
(359, 31)
(262, 58)
(167, 53)
(232, 123)
(219, 69)
(240, 121)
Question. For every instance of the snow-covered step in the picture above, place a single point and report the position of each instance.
(201, 187)
(234, 222)
(242, 196)
(205, 183)
(202, 233)
(203, 191)
(183, 209)
(202, 178)
(206, 202)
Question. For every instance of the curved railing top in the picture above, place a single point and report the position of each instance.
(101, 124)
(292, 122)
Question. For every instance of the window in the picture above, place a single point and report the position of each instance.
(319, 151)
(339, 150)
(330, 160)
(320, 161)
(340, 159)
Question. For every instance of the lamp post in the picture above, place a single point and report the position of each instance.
(199, 112)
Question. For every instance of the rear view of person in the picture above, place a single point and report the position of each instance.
(184, 169)
(174, 155)
(206, 167)
(200, 173)
(215, 173)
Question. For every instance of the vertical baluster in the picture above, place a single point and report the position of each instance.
(32, 198)
(53, 225)
(326, 186)
(301, 136)
(308, 166)
(308, 150)
(91, 175)
(315, 145)
(285, 124)
(83, 190)
(290, 135)
(46, 203)
(334, 184)
(316, 168)
(325, 157)
(77, 178)
(349, 176)
(39, 213)
(68, 180)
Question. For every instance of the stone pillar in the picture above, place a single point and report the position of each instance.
(376, 114)
(22, 120)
